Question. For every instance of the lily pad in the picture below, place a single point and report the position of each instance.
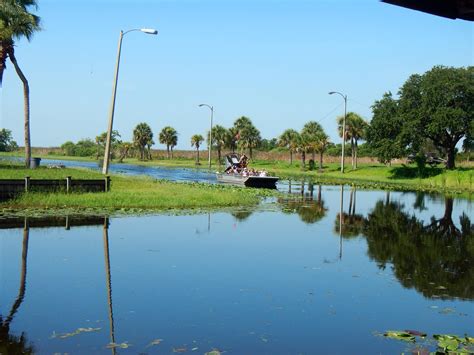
(415, 333)
(213, 352)
(399, 335)
(124, 345)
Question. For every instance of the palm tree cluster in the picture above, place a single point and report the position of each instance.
(143, 140)
(356, 129)
(169, 137)
(16, 22)
(312, 139)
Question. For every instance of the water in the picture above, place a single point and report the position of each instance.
(282, 278)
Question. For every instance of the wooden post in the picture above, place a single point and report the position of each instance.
(27, 183)
(68, 184)
(107, 183)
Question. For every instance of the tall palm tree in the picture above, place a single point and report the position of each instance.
(196, 141)
(219, 135)
(289, 139)
(320, 147)
(249, 139)
(311, 133)
(142, 137)
(169, 136)
(16, 22)
(356, 129)
(231, 138)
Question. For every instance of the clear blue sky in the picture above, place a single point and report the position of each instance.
(273, 61)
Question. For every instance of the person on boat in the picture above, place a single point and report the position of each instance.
(243, 161)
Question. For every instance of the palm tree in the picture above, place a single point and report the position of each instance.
(231, 138)
(169, 136)
(196, 141)
(355, 130)
(142, 137)
(320, 147)
(249, 139)
(219, 135)
(289, 139)
(16, 22)
(311, 133)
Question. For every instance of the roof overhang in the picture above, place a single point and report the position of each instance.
(453, 9)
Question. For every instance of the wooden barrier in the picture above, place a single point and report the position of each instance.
(66, 222)
(12, 187)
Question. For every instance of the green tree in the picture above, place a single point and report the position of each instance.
(68, 148)
(16, 22)
(439, 106)
(7, 144)
(101, 140)
(196, 141)
(383, 133)
(320, 146)
(219, 136)
(289, 139)
(248, 135)
(231, 138)
(355, 130)
(169, 137)
(310, 133)
(142, 137)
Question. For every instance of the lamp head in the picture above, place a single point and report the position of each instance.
(150, 31)
(331, 92)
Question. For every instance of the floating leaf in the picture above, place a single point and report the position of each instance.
(416, 333)
(399, 335)
(213, 352)
(76, 332)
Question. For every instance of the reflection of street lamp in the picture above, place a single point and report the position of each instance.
(343, 127)
(149, 31)
(210, 132)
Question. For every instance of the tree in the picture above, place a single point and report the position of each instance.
(384, 130)
(320, 146)
(169, 136)
(142, 137)
(101, 140)
(7, 144)
(123, 148)
(16, 22)
(248, 135)
(439, 106)
(355, 131)
(219, 135)
(310, 134)
(196, 141)
(231, 138)
(289, 140)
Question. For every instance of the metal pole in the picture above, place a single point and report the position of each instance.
(344, 133)
(210, 136)
(105, 168)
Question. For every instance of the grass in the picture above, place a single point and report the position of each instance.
(460, 180)
(128, 193)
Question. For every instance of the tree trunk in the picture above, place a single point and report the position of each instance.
(171, 152)
(26, 98)
(450, 164)
(352, 153)
(291, 157)
(303, 159)
(168, 151)
(219, 155)
(250, 152)
(355, 153)
(197, 151)
(321, 161)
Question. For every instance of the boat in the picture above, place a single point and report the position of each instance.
(234, 174)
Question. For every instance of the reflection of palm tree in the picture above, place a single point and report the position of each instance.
(11, 344)
(350, 224)
(242, 214)
(309, 210)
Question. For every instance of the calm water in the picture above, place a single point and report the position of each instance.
(288, 277)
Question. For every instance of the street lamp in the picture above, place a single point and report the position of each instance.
(210, 132)
(343, 127)
(149, 31)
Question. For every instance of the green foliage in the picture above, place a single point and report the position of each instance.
(248, 135)
(83, 148)
(142, 138)
(169, 137)
(289, 139)
(7, 144)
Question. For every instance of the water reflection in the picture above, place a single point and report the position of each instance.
(9, 343)
(350, 224)
(436, 258)
(309, 209)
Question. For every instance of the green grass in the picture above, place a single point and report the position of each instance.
(128, 193)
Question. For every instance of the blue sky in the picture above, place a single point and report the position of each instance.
(273, 61)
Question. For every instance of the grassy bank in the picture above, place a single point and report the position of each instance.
(375, 175)
(127, 194)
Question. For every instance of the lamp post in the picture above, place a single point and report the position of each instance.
(343, 127)
(150, 31)
(210, 132)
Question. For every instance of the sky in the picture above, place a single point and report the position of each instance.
(273, 61)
